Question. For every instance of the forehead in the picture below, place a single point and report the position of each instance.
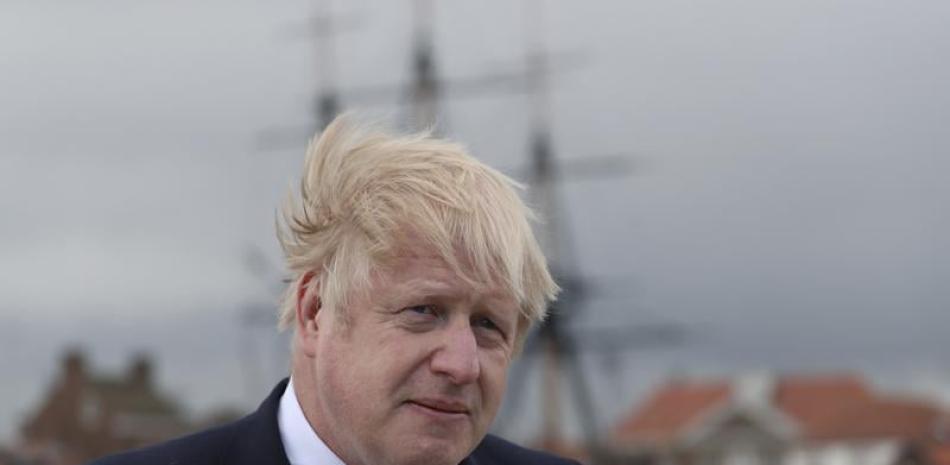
(422, 270)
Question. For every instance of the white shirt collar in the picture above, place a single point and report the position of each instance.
(301, 443)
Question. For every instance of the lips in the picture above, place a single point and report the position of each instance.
(441, 406)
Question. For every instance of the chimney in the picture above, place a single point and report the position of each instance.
(74, 367)
(140, 372)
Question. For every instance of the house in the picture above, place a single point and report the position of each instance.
(791, 420)
(85, 415)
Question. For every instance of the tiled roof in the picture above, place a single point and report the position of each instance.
(822, 408)
(817, 403)
(876, 418)
(671, 409)
(939, 454)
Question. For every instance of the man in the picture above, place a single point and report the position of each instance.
(415, 279)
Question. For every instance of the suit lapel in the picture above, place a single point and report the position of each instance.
(258, 441)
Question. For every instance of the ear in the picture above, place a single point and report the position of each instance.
(308, 307)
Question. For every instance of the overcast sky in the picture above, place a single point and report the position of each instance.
(788, 204)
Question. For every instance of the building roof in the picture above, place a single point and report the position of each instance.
(671, 409)
(81, 405)
(821, 407)
(123, 396)
(938, 454)
(877, 418)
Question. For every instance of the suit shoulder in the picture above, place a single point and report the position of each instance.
(495, 450)
(208, 447)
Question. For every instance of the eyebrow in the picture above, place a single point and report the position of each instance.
(439, 288)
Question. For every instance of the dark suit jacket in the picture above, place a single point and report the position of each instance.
(255, 440)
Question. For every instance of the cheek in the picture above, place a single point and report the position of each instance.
(384, 364)
(494, 378)
(356, 389)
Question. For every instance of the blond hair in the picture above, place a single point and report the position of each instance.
(364, 192)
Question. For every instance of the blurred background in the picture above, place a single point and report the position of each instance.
(745, 202)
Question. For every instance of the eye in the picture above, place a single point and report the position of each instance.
(487, 323)
(490, 334)
(420, 318)
(422, 310)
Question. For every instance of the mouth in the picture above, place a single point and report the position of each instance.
(440, 409)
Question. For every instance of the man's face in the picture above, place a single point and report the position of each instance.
(415, 370)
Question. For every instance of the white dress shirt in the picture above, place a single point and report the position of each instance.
(301, 442)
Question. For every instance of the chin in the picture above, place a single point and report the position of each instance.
(432, 448)
(431, 453)
(424, 441)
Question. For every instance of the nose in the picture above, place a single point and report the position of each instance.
(457, 355)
